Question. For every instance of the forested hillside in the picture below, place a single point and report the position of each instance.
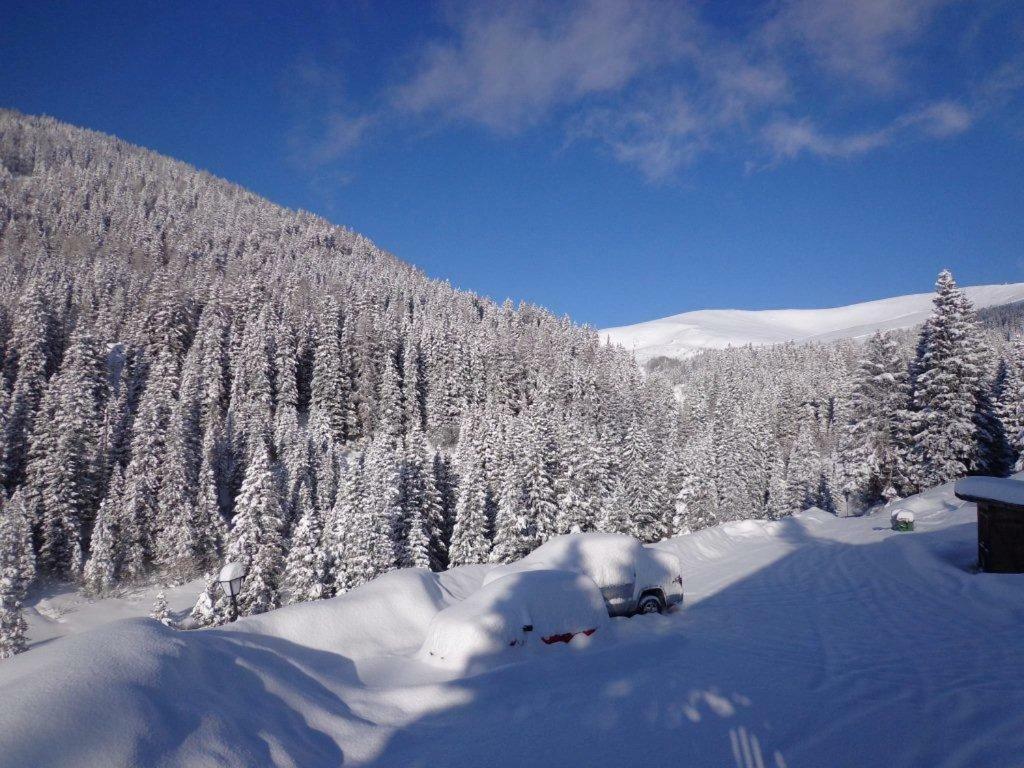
(192, 374)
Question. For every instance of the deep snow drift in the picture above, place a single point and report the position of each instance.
(814, 641)
(680, 336)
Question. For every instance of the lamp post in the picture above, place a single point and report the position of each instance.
(230, 580)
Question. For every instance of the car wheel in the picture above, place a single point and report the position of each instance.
(650, 604)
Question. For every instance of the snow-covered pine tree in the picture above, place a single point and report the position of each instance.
(330, 387)
(207, 611)
(697, 499)
(370, 512)
(100, 574)
(28, 370)
(870, 449)
(256, 540)
(179, 541)
(15, 570)
(541, 467)
(948, 374)
(515, 532)
(305, 567)
(639, 484)
(339, 523)
(1010, 399)
(470, 540)
(160, 611)
(213, 530)
(441, 535)
(804, 469)
(419, 501)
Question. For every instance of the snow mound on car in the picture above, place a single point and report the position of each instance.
(558, 605)
(609, 559)
(389, 614)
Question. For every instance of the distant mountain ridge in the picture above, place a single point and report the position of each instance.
(681, 336)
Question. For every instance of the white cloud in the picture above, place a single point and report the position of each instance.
(509, 68)
(787, 139)
(863, 41)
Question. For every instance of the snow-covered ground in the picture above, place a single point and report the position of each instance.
(680, 336)
(814, 641)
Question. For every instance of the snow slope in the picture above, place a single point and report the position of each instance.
(680, 336)
(808, 642)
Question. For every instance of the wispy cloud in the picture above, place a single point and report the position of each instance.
(657, 85)
(509, 68)
(787, 139)
(864, 41)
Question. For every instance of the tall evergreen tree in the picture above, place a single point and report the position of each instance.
(948, 377)
(15, 570)
(256, 539)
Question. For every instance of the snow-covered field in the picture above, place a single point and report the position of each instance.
(813, 641)
(680, 336)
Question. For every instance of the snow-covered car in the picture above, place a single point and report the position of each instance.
(520, 609)
(632, 578)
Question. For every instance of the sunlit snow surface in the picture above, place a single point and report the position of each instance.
(814, 641)
(680, 336)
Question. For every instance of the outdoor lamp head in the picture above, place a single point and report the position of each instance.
(230, 578)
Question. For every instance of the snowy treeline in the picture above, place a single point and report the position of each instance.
(772, 430)
(190, 374)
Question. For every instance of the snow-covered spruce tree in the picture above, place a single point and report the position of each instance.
(1010, 398)
(338, 527)
(948, 375)
(140, 512)
(515, 533)
(696, 502)
(213, 530)
(776, 504)
(256, 539)
(286, 390)
(100, 574)
(330, 385)
(15, 549)
(305, 567)
(391, 412)
(30, 346)
(369, 505)
(251, 413)
(584, 484)
(208, 611)
(804, 470)
(870, 445)
(470, 540)
(66, 466)
(420, 503)
(441, 535)
(160, 610)
(541, 467)
(179, 541)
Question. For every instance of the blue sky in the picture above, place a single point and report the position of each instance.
(615, 161)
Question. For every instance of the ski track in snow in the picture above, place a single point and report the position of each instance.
(812, 641)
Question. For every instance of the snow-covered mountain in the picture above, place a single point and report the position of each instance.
(680, 336)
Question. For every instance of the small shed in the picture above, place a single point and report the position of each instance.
(1000, 521)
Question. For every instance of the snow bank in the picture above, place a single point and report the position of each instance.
(387, 615)
(555, 605)
(803, 642)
